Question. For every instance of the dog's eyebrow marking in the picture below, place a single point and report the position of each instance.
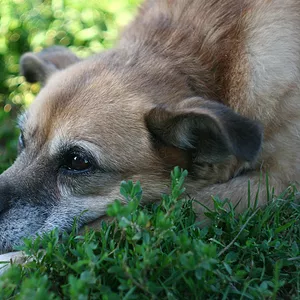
(21, 120)
(61, 142)
(58, 144)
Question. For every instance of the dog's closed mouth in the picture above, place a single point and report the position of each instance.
(19, 257)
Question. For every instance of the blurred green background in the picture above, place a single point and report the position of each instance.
(30, 25)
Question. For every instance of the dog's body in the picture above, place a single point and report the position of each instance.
(191, 83)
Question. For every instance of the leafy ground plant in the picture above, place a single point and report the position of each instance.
(160, 252)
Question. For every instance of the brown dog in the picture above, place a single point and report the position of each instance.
(191, 83)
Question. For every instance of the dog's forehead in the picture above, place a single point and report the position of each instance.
(90, 108)
(76, 90)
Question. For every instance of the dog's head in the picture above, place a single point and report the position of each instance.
(99, 121)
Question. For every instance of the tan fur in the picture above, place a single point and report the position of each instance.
(173, 68)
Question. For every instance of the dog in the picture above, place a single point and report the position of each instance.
(211, 86)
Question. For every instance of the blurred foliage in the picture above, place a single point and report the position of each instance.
(30, 25)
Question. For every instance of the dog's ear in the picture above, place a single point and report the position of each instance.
(210, 132)
(38, 67)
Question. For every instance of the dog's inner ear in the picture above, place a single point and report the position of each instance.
(38, 67)
(210, 133)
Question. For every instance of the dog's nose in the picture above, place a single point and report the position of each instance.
(5, 194)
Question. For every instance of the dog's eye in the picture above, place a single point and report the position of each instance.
(21, 142)
(77, 162)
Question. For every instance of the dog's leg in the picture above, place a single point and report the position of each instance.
(259, 186)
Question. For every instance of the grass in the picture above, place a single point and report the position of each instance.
(159, 252)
